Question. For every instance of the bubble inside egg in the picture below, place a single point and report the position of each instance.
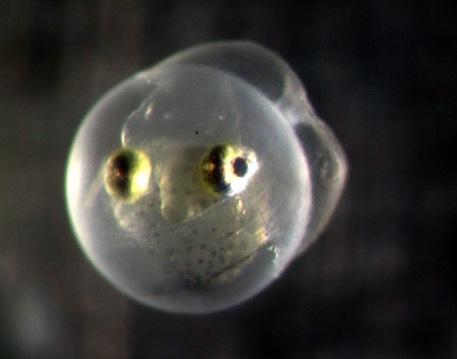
(189, 185)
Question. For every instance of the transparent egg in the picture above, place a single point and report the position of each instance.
(193, 184)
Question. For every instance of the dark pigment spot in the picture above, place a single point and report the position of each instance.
(240, 166)
(119, 173)
(214, 172)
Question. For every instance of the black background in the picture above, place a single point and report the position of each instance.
(380, 282)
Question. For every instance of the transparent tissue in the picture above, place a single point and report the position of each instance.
(172, 239)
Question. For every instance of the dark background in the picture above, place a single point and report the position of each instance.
(380, 282)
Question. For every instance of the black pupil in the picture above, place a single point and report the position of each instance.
(240, 166)
(217, 174)
(122, 164)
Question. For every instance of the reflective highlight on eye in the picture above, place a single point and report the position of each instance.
(127, 173)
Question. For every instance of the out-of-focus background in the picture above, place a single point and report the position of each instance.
(380, 282)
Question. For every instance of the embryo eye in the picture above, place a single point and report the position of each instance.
(127, 174)
(192, 185)
(224, 171)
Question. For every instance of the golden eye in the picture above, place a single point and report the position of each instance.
(225, 168)
(127, 173)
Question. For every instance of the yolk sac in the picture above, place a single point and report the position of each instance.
(192, 185)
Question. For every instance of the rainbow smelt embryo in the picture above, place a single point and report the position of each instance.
(192, 185)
